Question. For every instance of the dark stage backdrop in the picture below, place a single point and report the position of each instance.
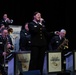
(58, 14)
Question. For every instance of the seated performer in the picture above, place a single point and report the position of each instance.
(60, 43)
(6, 21)
(5, 47)
(25, 38)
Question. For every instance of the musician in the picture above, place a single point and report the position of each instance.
(38, 42)
(25, 38)
(5, 47)
(60, 43)
(1, 27)
(6, 21)
(58, 39)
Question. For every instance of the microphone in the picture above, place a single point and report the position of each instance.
(42, 20)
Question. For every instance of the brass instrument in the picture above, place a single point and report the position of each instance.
(63, 45)
(7, 51)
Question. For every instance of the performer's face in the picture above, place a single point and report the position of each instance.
(26, 27)
(37, 17)
(62, 34)
(5, 16)
(5, 33)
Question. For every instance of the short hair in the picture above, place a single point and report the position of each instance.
(62, 30)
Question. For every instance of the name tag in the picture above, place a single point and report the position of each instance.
(35, 26)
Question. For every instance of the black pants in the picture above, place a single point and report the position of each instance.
(2, 70)
(64, 59)
(37, 58)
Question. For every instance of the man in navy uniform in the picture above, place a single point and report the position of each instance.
(5, 47)
(25, 42)
(6, 21)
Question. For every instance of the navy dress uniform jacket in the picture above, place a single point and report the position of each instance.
(38, 34)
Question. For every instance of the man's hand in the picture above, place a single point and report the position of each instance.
(4, 53)
(9, 46)
(8, 20)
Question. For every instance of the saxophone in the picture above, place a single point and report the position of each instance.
(7, 50)
(63, 45)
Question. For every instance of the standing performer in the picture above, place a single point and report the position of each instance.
(38, 42)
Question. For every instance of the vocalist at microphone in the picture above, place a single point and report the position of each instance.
(42, 21)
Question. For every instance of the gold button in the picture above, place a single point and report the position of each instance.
(40, 28)
(40, 34)
(41, 38)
